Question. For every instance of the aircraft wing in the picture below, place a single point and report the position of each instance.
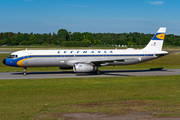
(98, 61)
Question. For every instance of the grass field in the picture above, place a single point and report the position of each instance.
(43, 98)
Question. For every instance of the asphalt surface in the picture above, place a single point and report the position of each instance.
(3, 52)
(71, 74)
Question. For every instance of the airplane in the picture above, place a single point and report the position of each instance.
(88, 60)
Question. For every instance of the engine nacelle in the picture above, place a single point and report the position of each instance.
(82, 67)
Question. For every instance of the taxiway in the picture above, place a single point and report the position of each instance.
(71, 74)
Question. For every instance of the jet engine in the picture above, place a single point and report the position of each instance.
(82, 67)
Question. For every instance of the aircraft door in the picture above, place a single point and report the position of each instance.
(145, 54)
(25, 54)
(62, 59)
(105, 57)
(145, 57)
(26, 61)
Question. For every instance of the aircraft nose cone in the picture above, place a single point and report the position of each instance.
(4, 61)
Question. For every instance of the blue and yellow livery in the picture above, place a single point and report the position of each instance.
(159, 36)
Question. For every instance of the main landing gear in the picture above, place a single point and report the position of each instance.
(24, 72)
(97, 72)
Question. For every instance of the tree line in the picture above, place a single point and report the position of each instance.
(85, 39)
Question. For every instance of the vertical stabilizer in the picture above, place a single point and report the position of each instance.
(156, 42)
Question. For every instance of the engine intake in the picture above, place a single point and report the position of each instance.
(82, 67)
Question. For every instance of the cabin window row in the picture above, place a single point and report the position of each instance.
(87, 55)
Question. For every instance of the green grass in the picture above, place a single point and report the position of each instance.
(170, 61)
(42, 98)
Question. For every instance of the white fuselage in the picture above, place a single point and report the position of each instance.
(67, 58)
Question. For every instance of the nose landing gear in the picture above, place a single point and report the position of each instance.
(24, 72)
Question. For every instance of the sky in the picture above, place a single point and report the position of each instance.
(95, 16)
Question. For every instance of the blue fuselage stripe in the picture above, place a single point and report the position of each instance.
(115, 55)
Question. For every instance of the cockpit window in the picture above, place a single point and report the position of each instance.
(13, 56)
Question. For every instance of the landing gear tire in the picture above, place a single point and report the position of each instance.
(24, 73)
(97, 72)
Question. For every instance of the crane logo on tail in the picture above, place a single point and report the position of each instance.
(159, 36)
